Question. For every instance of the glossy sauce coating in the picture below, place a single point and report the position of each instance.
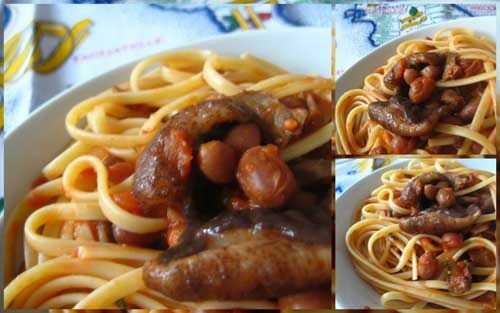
(251, 270)
(265, 178)
(217, 161)
(243, 137)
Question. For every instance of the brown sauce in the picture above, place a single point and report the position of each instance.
(309, 227)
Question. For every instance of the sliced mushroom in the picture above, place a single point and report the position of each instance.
(422, 59)
(412, 193)
(482, 198)
(439, 221)
(462, 181)
(401, 117)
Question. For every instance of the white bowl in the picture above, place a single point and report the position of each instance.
(43, 135)
(355, 75)
(351, 291)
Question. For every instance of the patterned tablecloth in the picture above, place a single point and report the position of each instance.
(172, 1)
(349, 171)
(360, 28)
(72, 45)
(50, 48)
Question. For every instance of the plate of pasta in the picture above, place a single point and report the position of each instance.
(419, 235)
(431, 91)
(197, 178)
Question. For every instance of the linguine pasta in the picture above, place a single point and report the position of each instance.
(70, 259)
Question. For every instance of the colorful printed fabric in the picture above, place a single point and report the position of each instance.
(72, 44)
(361, 28)
(206, 2)
(350, 171)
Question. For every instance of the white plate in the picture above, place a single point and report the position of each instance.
(43, 135)
(355, 75)
(351, 291)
